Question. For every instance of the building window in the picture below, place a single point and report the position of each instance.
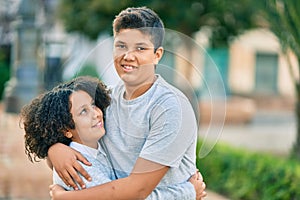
(266, 73)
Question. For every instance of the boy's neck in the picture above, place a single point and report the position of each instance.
(132, 92)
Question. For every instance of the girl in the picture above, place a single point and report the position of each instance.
(72, 114)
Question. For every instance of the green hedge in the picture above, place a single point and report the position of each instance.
(4, 67)
(87, 70)
(240, 174)
(4, 77)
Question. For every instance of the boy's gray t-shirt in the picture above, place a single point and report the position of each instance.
(159, 126)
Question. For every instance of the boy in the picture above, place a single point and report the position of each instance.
(151, 126)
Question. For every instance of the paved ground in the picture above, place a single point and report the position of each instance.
(269, 131)
(19, 179)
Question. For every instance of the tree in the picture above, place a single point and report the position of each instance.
(283, 19)
(89, 18)
(7, 15)
(226, 18)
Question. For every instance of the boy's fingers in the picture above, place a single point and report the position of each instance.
(77, 168)
(82, 159)
(67, 179)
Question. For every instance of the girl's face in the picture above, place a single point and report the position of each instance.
(134, 57)
(88, 119)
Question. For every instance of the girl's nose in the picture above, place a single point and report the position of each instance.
(97, 112)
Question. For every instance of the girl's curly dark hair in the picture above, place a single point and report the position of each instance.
(47, 117)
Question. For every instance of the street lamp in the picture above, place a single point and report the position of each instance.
(24, 83)
(53, 66)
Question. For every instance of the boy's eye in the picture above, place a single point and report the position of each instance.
(120, 46)
(141, 48)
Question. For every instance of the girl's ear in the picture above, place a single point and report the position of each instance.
(68, 134)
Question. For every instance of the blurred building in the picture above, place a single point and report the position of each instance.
(255, 73)
(257, 66)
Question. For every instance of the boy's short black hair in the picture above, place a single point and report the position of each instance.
(142, 18)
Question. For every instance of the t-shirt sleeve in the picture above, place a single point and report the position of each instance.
(173, 129)
(182, 191)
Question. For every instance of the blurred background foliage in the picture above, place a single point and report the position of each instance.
(87, 70)
(242, 174)
(225, 18)
(4, 67)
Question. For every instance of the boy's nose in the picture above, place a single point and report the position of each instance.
(129, 55)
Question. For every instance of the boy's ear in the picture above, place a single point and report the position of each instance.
(68, 134)
(159, 53)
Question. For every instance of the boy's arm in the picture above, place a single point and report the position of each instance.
(65, 161)
(138, 185)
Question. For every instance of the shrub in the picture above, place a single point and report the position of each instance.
(4, 71)
(87, 70)
(241, 174)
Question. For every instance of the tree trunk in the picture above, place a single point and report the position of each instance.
(296, 149)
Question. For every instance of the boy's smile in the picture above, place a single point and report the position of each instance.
(128, 68)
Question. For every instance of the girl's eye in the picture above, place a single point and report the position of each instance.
(84, 111)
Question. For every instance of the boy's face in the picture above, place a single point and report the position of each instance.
(88, 119)
(134, 57)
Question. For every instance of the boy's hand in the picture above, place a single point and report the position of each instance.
(65, 161)
(197, 181)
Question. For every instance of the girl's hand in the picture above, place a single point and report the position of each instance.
(199, 185)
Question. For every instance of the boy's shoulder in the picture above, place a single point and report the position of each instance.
(167, 88)
(118, 87)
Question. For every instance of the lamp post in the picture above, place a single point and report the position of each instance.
(54, 46)
(25, 80)
(53, 66)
